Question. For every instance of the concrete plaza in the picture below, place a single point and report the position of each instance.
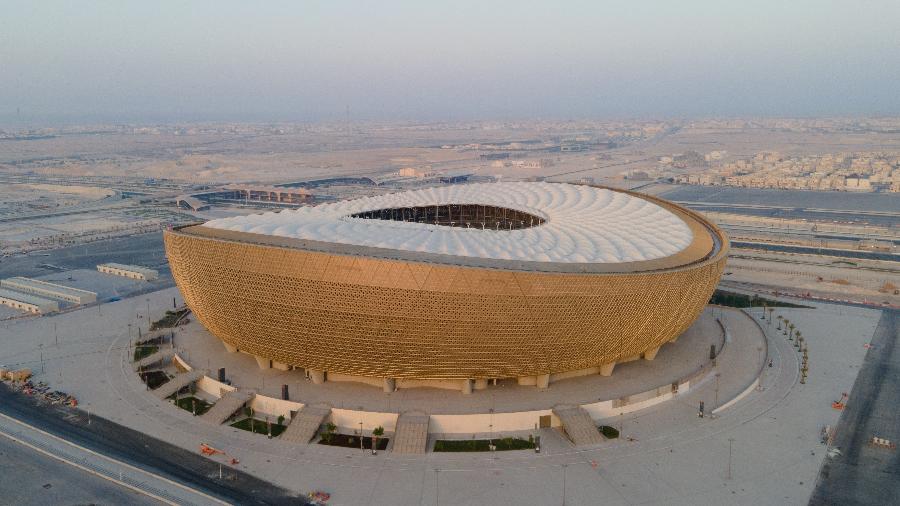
(667, 455)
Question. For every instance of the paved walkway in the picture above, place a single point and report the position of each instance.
(411, 435)
(227, 405)
(158, 356)
(306, 423)
(578, 425)
(674, 361)
(178, 382)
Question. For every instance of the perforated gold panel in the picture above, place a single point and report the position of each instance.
(367, 316)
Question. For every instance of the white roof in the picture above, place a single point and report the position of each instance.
(583, 224)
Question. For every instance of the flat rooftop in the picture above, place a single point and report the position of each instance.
(26, 298)
(44, 285)
(126, 267)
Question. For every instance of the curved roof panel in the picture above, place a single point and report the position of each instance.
(582, 224)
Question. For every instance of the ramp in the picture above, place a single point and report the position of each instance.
(178, 382)
(578, 425)
(159, 356)
(306, 423)
(411, 436)
(227, 405)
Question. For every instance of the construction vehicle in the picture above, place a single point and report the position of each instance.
(839, 404)
(209, 451)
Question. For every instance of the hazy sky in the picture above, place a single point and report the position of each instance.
(427, 60)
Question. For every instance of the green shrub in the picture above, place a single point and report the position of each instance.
(609, 432)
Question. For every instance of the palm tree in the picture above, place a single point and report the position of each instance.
(779, 321)
(786, 323)
(376, 433)
(791, 333)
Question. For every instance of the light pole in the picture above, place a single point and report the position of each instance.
(730, 441)
(716, 403)
(437, 488)
(565, 469)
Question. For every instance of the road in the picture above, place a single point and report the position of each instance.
(30, 477)
(843, 253)
(141, 451)
(863, 473)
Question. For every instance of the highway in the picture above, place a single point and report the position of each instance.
(31, 477)
(831, 252)
(156, 461)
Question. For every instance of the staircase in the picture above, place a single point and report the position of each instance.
(411, 435)
(578, 425)
(306, 423)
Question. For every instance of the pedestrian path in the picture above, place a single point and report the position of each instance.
(306, 423)
(578, 425)
(158, 356)
(178, 382)
(411, 435)
(227, 405)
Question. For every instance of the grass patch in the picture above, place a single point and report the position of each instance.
(187, 404)
(732, 299)
(169, 320)
(609, 432)
(483, 445)
(144, 350)
(353, 442)
(258, 426)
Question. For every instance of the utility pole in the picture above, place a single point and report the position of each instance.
(730, 441)
(716, 403)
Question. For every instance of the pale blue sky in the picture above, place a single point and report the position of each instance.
(156, 61)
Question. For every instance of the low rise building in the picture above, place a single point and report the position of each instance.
(129, 271)
(49, 290)
(27, 302)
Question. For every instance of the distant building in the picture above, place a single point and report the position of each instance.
(128, 271)
(192, 203)
(51, 290)
(27, 302)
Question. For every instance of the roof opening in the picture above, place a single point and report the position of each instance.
(458, 215)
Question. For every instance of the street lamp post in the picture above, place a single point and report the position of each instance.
(437, 489)
(730, 441)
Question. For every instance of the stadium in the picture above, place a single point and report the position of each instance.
(453, 285)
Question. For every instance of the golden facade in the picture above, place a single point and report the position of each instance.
(350, 312)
